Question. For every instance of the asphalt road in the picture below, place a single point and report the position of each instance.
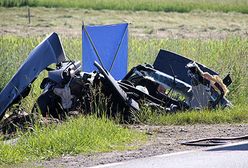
(227, 156)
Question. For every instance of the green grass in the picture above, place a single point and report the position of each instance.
(238, 114)
(155, 5)
(81, 135)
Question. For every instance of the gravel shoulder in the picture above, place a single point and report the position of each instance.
(161, 140)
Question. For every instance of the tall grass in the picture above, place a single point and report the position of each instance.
(81, 135)
(238, 114)
(154, 5)
(224, 56)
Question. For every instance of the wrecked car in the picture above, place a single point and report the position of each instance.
(172, 83)
(183, 77)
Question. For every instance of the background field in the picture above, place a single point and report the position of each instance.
(154, 5)
(143, 24)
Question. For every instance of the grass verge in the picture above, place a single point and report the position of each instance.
(82, 135)
(238, 114)
(155, 5)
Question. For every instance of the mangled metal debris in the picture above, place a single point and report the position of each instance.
(172, 83)
(46, 53)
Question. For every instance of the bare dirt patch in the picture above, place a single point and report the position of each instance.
(162, 140)
(68, 22)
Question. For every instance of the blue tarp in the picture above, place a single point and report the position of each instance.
(108, 45)
(47, 52)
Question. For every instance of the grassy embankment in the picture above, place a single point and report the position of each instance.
(81, 135)
(155, 5)
(230, 55)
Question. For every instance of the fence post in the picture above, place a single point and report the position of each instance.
(29, 16)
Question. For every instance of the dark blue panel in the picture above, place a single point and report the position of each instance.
(47, 52)
(174, 65)
(111, 44)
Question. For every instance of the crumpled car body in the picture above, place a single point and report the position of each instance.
(46, 53)
(171, 72)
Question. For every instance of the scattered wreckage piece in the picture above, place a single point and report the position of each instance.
(47, 52)
(198, 90)
(59, 89)
(18, 120)
(155, 84)
(173, 83)
(75, 90)
(208, 90)
(21, 121)
(203, 95)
